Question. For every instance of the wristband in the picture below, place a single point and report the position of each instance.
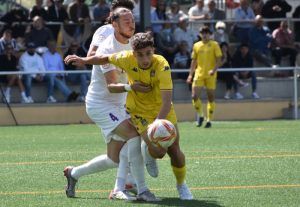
(127, 87)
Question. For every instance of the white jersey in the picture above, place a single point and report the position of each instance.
(98, 94)
(101, 34)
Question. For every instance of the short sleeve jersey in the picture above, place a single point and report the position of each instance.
(205, 55)
(158, 76)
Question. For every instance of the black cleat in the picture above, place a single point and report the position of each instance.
(208, 125)
(200, 121)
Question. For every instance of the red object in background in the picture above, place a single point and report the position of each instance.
(232, 4)
(153, 3)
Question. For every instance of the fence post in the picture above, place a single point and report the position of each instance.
(295, 94)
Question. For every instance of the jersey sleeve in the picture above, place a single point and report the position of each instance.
(164, 75)
(120, 59)
(100, 35)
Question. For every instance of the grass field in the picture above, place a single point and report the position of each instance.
(232, 164)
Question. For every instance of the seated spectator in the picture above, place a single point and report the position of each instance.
(284, 44)
(214, 13)
(174, 14)
(30, 61)
(260, 42)
(243, 59)
(101, 11)
(38, 10)
(296, 14)
(8, 62)
(82, 78)
(79, 13)
(166, 44)
(38, 33)
(245, 14)
(54, 62)
(220, 33)
(183, 33)
(57, 13)
(182, 59)
(231, 78)
(197, 12)
(7, 39)
(275, 9)
(158, 14)
(14, 20)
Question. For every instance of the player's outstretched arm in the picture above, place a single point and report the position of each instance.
(91, 60)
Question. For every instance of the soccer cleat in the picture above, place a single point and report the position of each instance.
(149, 161)
(147, 196)
(121, 195)
(208, 125)
(184, 192)
(200, 121)
(51, 99)
(70, 187)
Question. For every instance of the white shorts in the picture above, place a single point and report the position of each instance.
(108, 118)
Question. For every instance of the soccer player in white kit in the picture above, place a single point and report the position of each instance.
(108, 112)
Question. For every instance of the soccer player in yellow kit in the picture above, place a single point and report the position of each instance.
(206, 58)
(142, 65)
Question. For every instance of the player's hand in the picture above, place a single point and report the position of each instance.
(140, 87)
(74, 60)
(211, 72)
(189, 79)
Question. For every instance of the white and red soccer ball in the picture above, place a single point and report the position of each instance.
(162, 132)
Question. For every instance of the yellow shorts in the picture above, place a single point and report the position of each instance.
(208, 82)
(141, 121)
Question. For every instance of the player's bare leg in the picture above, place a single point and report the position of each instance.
(197, 103)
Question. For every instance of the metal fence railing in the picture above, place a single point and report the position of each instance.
(294, 69)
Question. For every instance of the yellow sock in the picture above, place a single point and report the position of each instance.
(210, 110)
(179, 174)
(198, 106)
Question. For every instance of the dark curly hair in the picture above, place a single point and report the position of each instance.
(142, 40)
(128, 4)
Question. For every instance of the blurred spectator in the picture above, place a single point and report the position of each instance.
(182, 59)
(275, 9)
(136, 11)
(243, 13)
(101, 11)
(79, 13)
(220, 34)
(38, 33)
(214, 13)
(30, 61)
(296, 14)
(257, 6)
(197, 12)
(175, 13)
(231, 78)
(260, 42)
(8, 62)
(183, 33)
(57, 13)
(14, 20)
(158, 14)
(38, 10)
(7, 39)
(54, 62)
(284, 44)
(82, 78)
(243, 59)
(166, 43)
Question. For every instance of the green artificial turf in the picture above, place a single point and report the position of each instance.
(231, 164)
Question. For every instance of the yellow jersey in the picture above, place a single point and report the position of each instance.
(205, 54)
(158, 75)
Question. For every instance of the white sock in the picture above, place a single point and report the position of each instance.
(23, 95)
(136, 163)
(7, 91)
(122, 169)
(100, 163)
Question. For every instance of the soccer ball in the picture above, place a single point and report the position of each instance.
(162, 133)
